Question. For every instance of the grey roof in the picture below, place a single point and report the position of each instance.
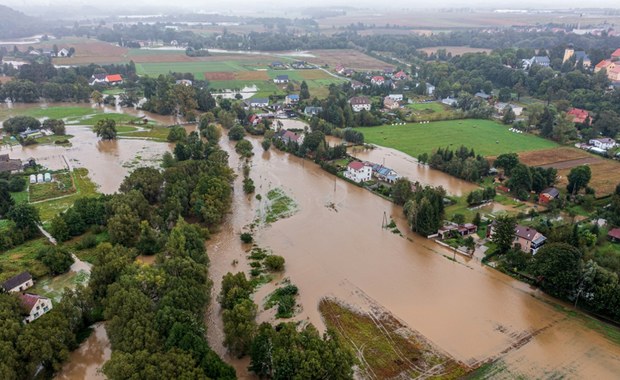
(528, 233)
(552, 191)
(581, 55)
(282, 77)
(16, 280)
(259, 101)
(541, 60)
(8, 165)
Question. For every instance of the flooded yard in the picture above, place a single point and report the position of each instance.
(334, 246)
(86, 361)
(108, 162)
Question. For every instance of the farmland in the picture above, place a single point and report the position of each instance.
(455, 50)
(486, 137)
(605, 172)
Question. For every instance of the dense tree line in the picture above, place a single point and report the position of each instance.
(424, 208)
(461, 163)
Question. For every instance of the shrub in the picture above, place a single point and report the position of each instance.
(246, 237)
(17, 184)
(274, 263)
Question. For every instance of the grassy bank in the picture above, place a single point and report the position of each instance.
(386, 348)
(486, 137)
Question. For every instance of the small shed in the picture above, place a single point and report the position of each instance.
(33, 178)
(40, 178)
(47, 177)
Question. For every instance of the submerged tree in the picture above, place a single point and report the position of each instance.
(106, 129)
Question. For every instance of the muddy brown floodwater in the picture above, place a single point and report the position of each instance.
(471, 312)
(86, 361)
(108, 162)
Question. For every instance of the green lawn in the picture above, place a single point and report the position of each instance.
(85, 187)
(22, 258)
(427, 107)
(486, 137)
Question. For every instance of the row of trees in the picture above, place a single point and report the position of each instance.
(461, 163)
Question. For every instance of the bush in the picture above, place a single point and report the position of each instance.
(177, 134)
(58, 259)
(274, 263)
(246, 237)
(17, 184)
(87, 242)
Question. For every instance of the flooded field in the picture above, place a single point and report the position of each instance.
(108, 162)
(473, 313)
(86, 361)
(409, 167)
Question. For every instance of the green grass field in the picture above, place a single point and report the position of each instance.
(486, 137)
(427, 107)
(22, 258)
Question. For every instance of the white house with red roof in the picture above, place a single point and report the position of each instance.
(358, 172)
(35, 305)
(377, 80)
(400, 76)
(114, 79)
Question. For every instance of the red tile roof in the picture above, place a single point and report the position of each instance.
(29, 300)
(378, 78)
(356, 165)
(603, 64)
(579, 115)
(614, 233)
(616, 53)
(114, 78)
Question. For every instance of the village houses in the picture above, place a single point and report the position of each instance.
(579, 116)
(390, 104)
(280, 79)
(358, 172)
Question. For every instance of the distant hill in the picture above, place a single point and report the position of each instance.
(14, 24)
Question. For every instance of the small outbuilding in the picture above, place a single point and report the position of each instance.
(33, 178)
(40, 178)
(47, 177)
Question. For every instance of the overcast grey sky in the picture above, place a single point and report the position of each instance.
(223, 6)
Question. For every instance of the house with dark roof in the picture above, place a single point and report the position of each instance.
(277, 65)
(614, 235)
(548, 194)
(482, 95)
(287, 136)
(10, 165)
(543, 61)
(311, 111)
(526, 238)
(281, 79)
(98, 79)
(355, 85)
(359, 103)
(34, 305)
(18, 283)
(257, 102)
(604, 143)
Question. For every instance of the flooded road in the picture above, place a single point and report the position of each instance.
(86, 361)
(473, 313)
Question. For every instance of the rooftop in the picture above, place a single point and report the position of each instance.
(16, 280)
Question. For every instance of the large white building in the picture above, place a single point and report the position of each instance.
(604, 143)
(358, 172)
(360, 103)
